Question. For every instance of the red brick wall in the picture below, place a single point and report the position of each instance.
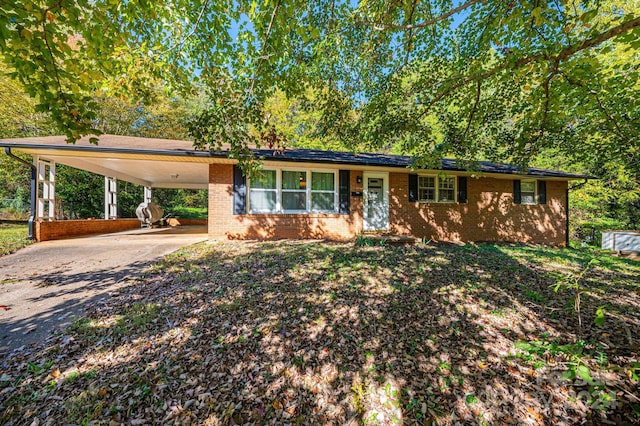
(61, 229)
(224, 224)
(489, 215)
(176, 221)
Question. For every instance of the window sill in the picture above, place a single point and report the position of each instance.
(437, 202)
(297, 214)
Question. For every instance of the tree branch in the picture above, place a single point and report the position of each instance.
(410, 38)
(547, 96)
(473, 110)
(385, 27)
(599, 39)
(192, 32)
(609, 116)
(601, 107)
(56, 73)
(563, 55)
(264, 46)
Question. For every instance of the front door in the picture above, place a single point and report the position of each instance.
(376, 201)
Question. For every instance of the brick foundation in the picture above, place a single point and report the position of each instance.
(61, 229)
(489, 215)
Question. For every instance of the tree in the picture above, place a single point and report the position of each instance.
(81, 192)
(17, 119)
(166, 117)
(503, 77)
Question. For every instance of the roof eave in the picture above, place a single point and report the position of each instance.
(402, 162)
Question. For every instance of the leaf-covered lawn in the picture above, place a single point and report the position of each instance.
(324, 333)
(12, 238)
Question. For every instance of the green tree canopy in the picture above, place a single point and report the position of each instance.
(498, 78)
(81, 192)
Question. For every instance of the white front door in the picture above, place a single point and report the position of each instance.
(376, 201)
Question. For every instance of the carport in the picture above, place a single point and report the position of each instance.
(151, 163)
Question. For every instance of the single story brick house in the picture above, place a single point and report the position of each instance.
(323, 194)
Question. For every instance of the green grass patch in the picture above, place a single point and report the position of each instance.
(132, 321)
(189, 212)
(12, 238)
(534, 296)
(139, 316)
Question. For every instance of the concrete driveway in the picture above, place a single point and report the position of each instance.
(46, 285)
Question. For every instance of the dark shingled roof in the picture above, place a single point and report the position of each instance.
(404, 161)
(128, 144)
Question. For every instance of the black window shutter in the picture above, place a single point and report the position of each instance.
(413, 187)
(517, 193)
(343, 196)
(462, 189)
(239, 191)
(542, 192)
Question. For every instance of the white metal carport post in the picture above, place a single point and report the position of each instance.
(148, 193)
(110, 198)
(46, 187)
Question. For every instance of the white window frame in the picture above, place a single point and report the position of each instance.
(437, 189)
(336, 190)
(249, 189)
(535, 192)
(455, 189)
(308, 191)
(281, 191)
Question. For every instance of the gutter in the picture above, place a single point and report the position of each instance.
(31, 236)
(581, 184)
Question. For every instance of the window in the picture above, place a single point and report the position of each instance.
(437, 188)
(294, 191)
(263, 193)
(447, 190)
(323, 192)
(288, 191)
(426, 188)
(528, 192)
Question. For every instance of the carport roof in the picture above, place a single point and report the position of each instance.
(170, 163)
(158, 163)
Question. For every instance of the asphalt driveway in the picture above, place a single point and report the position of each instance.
(43, 287)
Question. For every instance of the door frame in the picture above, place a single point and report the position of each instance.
(385, 198)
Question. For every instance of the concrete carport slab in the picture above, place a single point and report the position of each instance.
(47, 285)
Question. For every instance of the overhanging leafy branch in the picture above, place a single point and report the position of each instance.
(566, 53)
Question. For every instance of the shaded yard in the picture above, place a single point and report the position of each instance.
(12, 238)
(324, 333)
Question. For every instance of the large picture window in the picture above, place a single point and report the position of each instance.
(289, 191)
(440, 189)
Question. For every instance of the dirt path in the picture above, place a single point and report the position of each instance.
(46, 285)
